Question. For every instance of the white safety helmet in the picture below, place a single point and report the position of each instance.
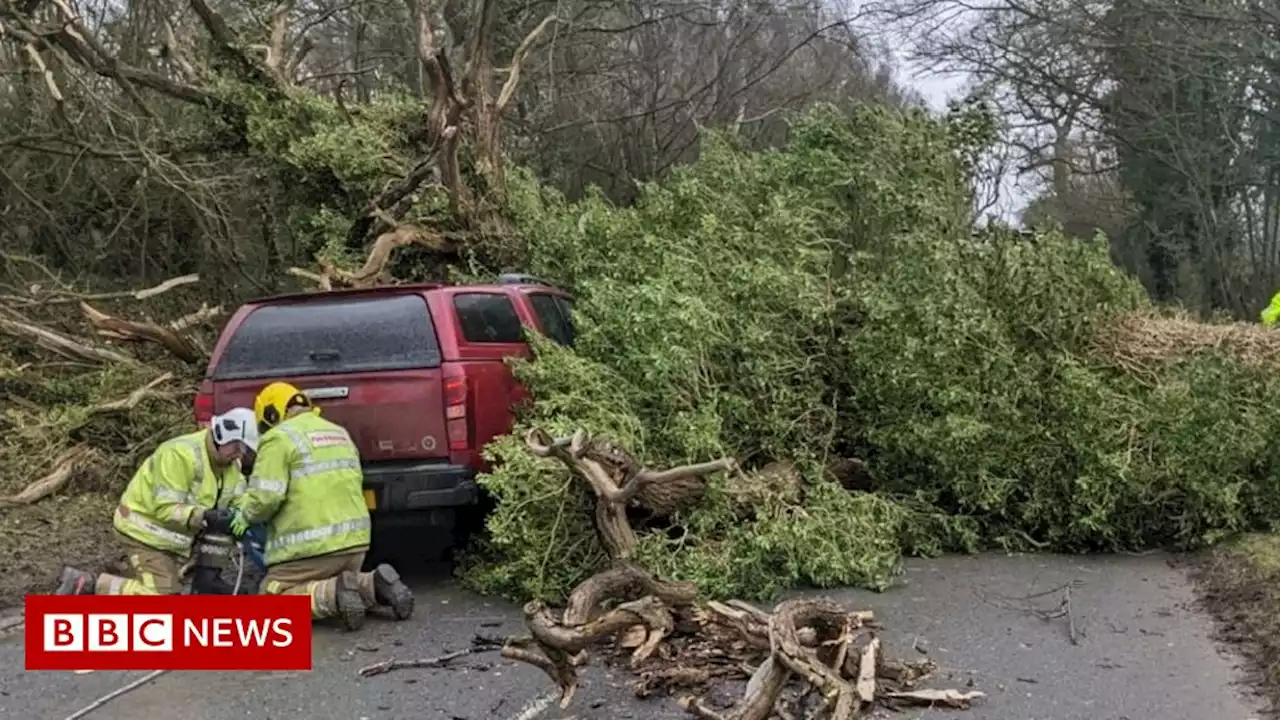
(235, 424)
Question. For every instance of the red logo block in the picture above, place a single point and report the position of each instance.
(169, 632)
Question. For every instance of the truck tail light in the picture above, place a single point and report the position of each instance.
(203, 407)
(455, 409)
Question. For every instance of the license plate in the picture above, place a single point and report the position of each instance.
(370, 499)
(327, 393)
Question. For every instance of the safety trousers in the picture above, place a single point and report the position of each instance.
(152, 572)
(317, 577)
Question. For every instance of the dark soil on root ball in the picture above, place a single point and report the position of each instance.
(1238, 583)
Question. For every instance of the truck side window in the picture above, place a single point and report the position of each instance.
(566, 313)
(555, 314)
(487, 318)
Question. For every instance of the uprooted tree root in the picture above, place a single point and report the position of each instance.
(807, 657)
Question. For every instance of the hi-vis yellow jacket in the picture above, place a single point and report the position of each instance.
(1272, 312)
(163, 505)
(307, 486)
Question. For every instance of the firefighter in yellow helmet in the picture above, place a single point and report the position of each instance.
(307, 486)
(184, 487)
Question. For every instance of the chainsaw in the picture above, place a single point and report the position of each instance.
(245, 556)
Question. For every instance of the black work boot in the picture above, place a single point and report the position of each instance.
(74, 582)
(351, 610)
(390, 591)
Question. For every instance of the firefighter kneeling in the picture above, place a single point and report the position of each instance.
(168, 502)
(307, 486)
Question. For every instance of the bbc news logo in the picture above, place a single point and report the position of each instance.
(155, 633)
(183, 632)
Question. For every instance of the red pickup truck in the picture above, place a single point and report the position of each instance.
(415, 373)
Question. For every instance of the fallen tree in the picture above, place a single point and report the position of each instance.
(891, 382)
(827, 308)
(832, 653)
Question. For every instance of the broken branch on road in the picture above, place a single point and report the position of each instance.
(479, 644)
(806, 658)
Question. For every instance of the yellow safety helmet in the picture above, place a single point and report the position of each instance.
(275, 400)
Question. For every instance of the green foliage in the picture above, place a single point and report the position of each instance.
(708, 324)
(973, 128)
(53, 411)
(834, 538)
(830, 300)
(311, 132)
(326, 160)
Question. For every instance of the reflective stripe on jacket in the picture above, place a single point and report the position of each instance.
(307, 486)
(157, 506)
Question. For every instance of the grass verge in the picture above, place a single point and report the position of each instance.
(1238, 583)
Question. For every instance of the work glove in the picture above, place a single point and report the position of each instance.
(218, 520)
(239, 525)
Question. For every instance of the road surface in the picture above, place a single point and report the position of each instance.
(1142, 653)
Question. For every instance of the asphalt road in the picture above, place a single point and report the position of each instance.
(1142, 653)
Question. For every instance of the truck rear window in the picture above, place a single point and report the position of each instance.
(488, 318)
(331, 336)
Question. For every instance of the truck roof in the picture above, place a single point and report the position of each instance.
(395, 289)
(345, 292)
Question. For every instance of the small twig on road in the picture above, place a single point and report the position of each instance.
(115, 694)
(387, 666)
(1071, 618)
(478, 645)
(1023, 604)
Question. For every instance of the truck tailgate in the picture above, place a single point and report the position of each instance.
(372, 364)
(391, 415)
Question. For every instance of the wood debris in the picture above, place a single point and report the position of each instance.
(807, 658)
(174, 337)
(936, 698)
(131, 401)
(64, 467)
(60, 344)
(116, 328)
(93, 435)
(374, 271)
